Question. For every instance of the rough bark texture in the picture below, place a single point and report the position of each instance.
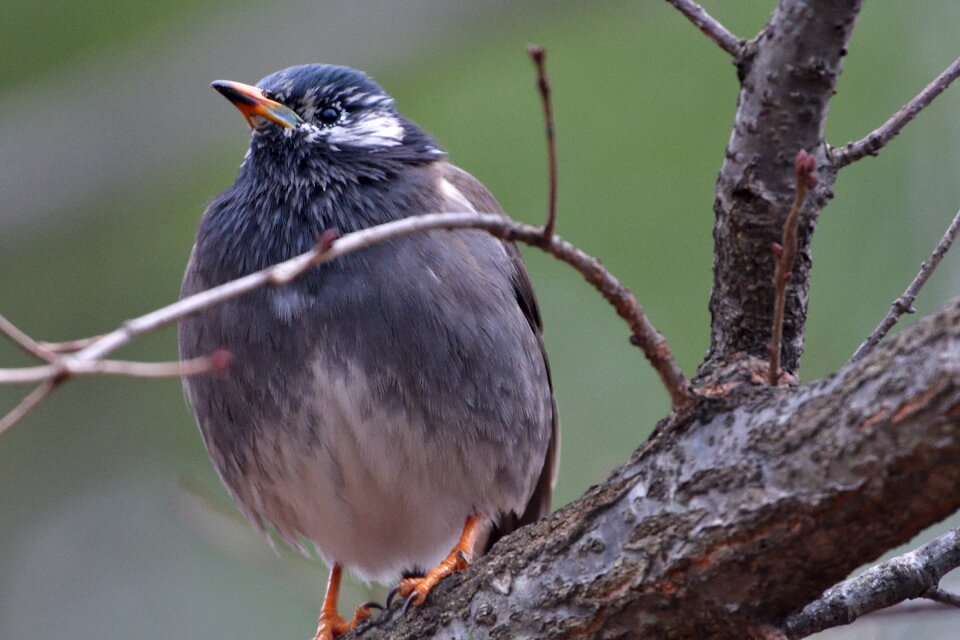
(905, 577)
(728, 520)
(741, 511)
(788, 75)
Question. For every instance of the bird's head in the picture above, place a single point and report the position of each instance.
(317, 123)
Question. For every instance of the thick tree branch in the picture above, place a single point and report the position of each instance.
(904, 304)
(782, 108)
(710, 27)
(732, 518)
(879, 137)
(913, 575)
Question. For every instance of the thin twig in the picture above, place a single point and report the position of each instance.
(644, 335)
(66, 367)
(539, 56)
(26, 405)
(709, 26)
(904, 304)
(69, 346)
(879, 137)
(25, 342)
(908, 576)
(943, 597)
(786, 254)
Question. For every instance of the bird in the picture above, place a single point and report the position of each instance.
(391, 411)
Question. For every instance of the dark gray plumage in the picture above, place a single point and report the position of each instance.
(374, 404)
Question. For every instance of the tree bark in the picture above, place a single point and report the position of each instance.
(728, 520)
(741, 511)
(787, 75)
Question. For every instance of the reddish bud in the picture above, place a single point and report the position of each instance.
(787, 277)
(327, 238)
(536, 52)
(805, 163)
(777, 249)
(220, 360)
(811, 181)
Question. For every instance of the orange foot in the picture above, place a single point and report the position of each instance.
(331, 624)
(416, 590)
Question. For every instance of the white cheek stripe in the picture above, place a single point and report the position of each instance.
(379, 129)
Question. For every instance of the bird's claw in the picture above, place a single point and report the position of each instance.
(408, 602)
(332, 625)
(392, 594)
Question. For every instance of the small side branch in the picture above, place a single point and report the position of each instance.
(786, 254)
(904, 304)
(878, 138)
(69, 346)
(28, 404)
(25, 342)
(709, 26)
(50, 376)
(913, 575)
(539, 54)
(943, 597)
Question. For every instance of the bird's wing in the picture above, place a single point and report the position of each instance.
(466, 192)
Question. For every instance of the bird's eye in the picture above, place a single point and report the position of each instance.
(328, 115)
(270, 95)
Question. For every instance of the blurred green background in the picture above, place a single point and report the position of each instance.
(112, 522)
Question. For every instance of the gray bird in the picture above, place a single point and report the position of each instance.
(392, 409)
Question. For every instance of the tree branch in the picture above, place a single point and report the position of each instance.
(710, 27)
(786, 253)
(539, 54)
(89, 359)
(28, 404)
(912, 575)
(25, 342)
(68, 367)
(879, 137)
(733, 517)
(782, 107)
(904, 304)
(937, 594)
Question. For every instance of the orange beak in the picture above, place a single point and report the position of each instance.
(251, 102)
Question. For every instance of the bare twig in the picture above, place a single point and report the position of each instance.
(878, 138)
(911, 575)
(644, 335)
(67, 367)
(539, 55)
(709, 26)
(786, 254)
(943, 597)
(25, 342)
(69, 346)
(904, 304)
(27, 405)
